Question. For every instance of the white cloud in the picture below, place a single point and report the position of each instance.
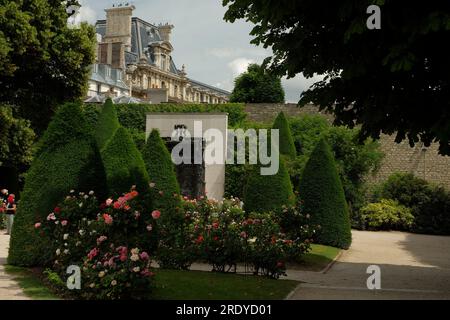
(240, 65)
(85, 14)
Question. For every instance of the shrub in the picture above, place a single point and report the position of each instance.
(218, 234)
(387, 215)
(294, 222)
(134, 116)
(430, 205)
(268, 248)
(111, 244)
(324, 199)
(123, 164)
(107, 124)
(268, 193)
(161, 170)
(287, 146)
(67, 159)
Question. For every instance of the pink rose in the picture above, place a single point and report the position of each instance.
(149, 227)
(109, 202)
(108, 219)
(37, 225)
(244, 234)
(156, 214)
(117, 205)
(93, 253)
(144, 256)
(123, 257)
(64, 223)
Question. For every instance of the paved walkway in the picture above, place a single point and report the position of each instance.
(9, 289)
(412, 267)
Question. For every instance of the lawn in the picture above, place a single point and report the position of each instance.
(317, 259)
(200, 285)
(181, 285)
(30, 283)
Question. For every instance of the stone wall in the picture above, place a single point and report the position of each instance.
(423, 162)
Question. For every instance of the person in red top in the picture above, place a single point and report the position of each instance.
(10, 212)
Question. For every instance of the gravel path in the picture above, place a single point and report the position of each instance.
(412, 267)
(9, 289)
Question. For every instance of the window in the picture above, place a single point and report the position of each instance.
(163, 62)
(99, 88)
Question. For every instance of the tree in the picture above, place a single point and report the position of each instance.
(71, 162)
(43, 61)
(287, 146)
(16, 142)
(107, 125)
(124, 166)
(257, 86)
(323, 198)
(161, 171)
(268, 193)
(391, 80)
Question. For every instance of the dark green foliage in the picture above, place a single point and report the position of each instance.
(386, 75)
(429, 204)
(16, 139)
(323, 196)
(161, 171)
(257, 85)
(71, 163)
(134, 116)
(268, 193)
(124, 166)
(287, 146)
(107, 124)
(44, 62)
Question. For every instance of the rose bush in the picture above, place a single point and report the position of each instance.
(110, 241)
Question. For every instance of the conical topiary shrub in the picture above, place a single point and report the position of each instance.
(268, 193)
(107, 124)
(124, 166)
(324, 199)
(287, 145)
(67, 159)
(161, 171)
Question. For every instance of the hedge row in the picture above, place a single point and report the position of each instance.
(133, 116)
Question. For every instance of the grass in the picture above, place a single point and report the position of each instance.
(31, 284)
(317, 259)
(180, 285)
(199, 285)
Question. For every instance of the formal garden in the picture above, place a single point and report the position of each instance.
(100, 196)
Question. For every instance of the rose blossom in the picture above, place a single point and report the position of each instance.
(66, 236)
(152, 185)
(109, 202)
(114, 283)
(37, 225)
(136, 269)
(108, 219)
(57, 210)
(149, 227)
(144, 256)
(64, 223)
(134, 257)
(51, 216)
(156, 214)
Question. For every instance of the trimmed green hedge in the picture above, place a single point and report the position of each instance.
(124, 166)
(161, 171)
(133, 116)
(268, 193)
(107, 124)
(323, 197)
(72, 162)
(287, 146)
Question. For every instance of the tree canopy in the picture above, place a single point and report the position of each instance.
(44, 62)
(389, 80)
(257, 85)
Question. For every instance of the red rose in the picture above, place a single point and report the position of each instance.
(57, 210)
(156, 214)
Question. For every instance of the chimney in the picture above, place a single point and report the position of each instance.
(118, 24)
(165, 30)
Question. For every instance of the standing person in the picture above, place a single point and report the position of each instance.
(10, 212)
(3, 201)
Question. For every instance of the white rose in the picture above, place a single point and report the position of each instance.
(136, 269)
(58, 252)
(66, 251)
(66, 236)
(134, 257)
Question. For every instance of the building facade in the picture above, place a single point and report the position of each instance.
(142, 53)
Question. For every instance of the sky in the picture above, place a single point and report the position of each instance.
(213, 51)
